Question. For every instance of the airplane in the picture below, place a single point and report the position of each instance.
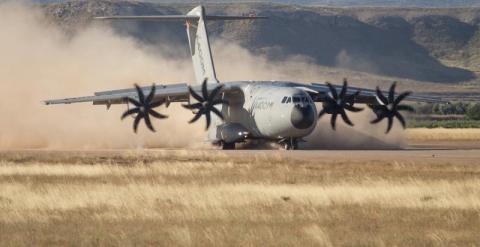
(237, 111)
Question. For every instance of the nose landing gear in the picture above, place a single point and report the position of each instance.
(228, 145)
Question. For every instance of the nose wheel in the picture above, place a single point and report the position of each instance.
(291, 144)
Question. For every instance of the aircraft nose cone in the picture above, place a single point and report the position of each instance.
(303, 117)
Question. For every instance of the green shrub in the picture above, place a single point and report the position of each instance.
(455, 108)
(473, 112)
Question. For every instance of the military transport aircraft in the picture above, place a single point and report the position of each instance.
(277, 111)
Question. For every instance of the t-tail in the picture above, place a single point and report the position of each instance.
(197, 32)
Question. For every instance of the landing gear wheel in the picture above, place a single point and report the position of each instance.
(291, 144)
(228, 146)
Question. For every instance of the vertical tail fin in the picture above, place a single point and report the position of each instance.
(200, 47)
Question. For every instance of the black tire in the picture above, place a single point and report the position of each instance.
(295, 146)
(228, 146)
(291, 145)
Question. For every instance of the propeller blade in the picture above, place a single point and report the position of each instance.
(333, 120)
(130, 112)
(149, 123)
(204, 89)
(351, 98)
(217, 112)
(331, 101)
(390, 125)
(141, 96)
(378, 120)
(197, 116)
(215, 92)
(207, 116)
(391, 93)
(381, 97)
(401, 97)
(156, 114)
(401, 119)
(151, 94)
(321, 113)
(134, 102)
(353, 108)
(194, 106)
(333, 90)
(137, 121)
(345, 118)
(195, 95)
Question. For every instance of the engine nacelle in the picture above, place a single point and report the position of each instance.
(232, 132)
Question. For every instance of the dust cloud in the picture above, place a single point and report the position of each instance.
(38, 61)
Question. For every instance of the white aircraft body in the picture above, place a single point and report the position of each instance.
(278, 111)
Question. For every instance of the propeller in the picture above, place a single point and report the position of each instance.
(206, 103)
(336, 104)
(390, 107)
(144, 108)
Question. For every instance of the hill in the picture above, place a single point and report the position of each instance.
(436, 45)
(341, 3)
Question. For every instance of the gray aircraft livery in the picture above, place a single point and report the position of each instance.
(238, 111)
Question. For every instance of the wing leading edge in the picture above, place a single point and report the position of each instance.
(173, 93)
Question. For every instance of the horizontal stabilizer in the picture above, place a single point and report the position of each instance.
(180, 17)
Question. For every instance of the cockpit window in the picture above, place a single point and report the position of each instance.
(284, 99)
(296, 99)
(289, 100)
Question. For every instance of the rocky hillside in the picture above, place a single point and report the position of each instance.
(438, 45)
(341, 3)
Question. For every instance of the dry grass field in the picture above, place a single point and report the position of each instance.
(444, 138)
(440, 134)
(244, 198)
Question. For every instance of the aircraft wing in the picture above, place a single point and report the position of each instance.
(366, 96)
(172, 92)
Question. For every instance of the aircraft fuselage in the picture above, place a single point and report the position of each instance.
(269, 111)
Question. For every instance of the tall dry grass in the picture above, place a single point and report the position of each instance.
(440, 134)
(253, 198)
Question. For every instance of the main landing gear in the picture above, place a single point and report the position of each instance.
(290, 144)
